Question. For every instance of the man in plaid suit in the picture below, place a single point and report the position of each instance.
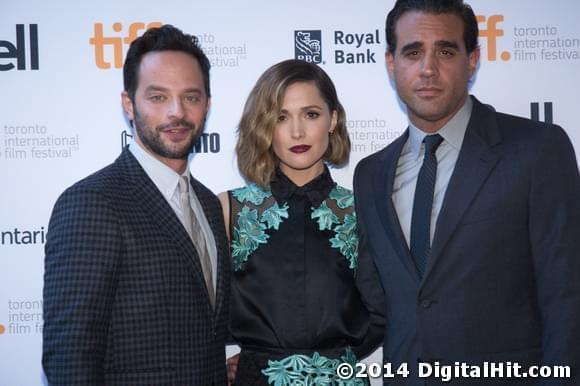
(127, 298)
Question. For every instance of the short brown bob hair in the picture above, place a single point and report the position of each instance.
(256, 159)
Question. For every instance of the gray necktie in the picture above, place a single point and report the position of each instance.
(193, 227)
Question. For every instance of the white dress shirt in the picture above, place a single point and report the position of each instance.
(411, 160)
(167, 181)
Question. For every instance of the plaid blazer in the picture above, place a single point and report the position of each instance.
(125, 302)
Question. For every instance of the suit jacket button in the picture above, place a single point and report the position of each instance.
(426, 303)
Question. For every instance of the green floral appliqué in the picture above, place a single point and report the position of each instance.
(315, 370)
(251, 193)
(343, 197)
(273, 215)
(326, 218)
(345, 237)
(250, 231)
(346, 240)
(248, 235)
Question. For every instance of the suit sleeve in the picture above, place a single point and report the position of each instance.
(370, 288)
(371, 291)
(555, 241)
(81, 257)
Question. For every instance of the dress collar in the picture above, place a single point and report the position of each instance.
(316, 190)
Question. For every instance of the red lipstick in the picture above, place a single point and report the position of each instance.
(300, 148)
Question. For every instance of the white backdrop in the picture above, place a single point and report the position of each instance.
(61, 117)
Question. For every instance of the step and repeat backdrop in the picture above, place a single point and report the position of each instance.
(61, 117)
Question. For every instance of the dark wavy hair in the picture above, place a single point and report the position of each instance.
(164, 38)
(455, 7)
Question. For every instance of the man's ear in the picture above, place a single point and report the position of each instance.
(127, 105)
(390, 60)
(473, 60)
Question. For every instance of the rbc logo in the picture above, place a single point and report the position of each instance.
(308, 46)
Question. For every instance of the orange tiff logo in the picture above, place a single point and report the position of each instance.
(116, 43)
(492, 33)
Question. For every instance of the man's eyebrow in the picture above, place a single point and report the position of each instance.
(154, 88)
(412, 46)
(446, 44)
(439, 44)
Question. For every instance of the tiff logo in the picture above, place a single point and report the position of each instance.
(116, 43)
(491, 32)
(548, 113)
(18, 52)
(308, 46)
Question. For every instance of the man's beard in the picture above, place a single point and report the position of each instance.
(151, 137)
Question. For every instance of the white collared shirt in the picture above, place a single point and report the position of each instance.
(411, 160)
(167, 181)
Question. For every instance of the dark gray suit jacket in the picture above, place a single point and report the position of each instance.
(503, 279)
(125, 302)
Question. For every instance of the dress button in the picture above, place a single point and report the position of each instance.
(426, 303)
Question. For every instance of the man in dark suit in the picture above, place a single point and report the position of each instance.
(472, 217)
(137, 270)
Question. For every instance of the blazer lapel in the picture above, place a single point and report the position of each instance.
(384, 177)
(217, 233)
(475, 162)
(160, 212)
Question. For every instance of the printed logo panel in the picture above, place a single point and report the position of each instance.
(308, 46)
(13, 55)
(109, 49)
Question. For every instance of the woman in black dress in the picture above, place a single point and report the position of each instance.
(303, 300)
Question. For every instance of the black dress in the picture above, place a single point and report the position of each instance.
(298, 307)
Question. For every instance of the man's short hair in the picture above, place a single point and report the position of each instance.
(455, 7)
(164, 38)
